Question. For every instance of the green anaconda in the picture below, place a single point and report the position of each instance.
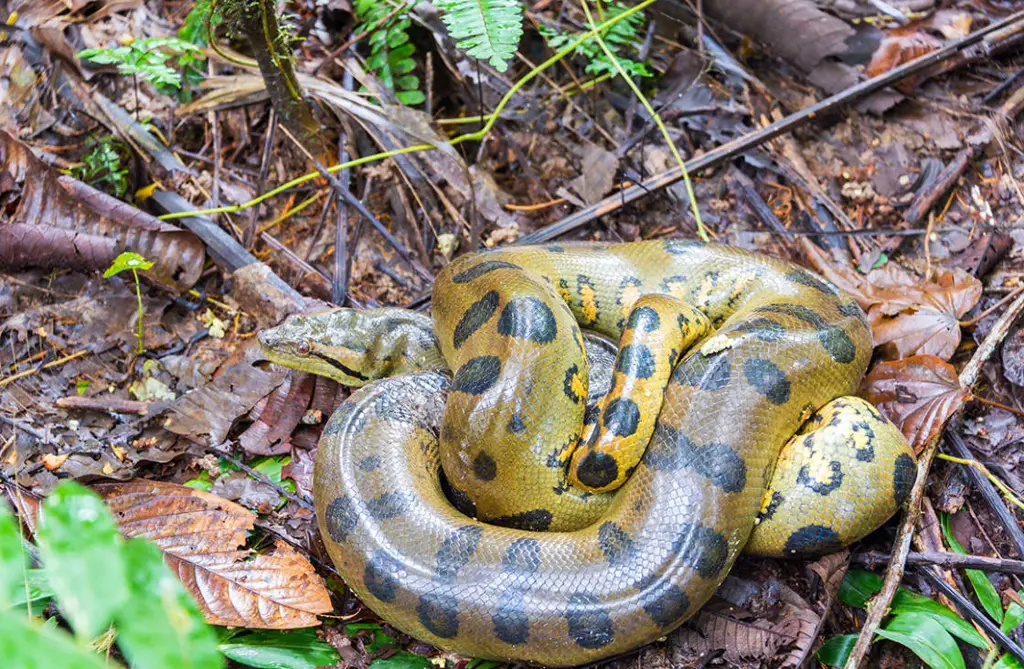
(509, 553)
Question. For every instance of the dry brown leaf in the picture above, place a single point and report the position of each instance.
(905, 43)
(722, 626)
(201, 535)
(60, 222)
(908, 314)
(918, 394)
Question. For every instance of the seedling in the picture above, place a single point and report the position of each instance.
(134, 262)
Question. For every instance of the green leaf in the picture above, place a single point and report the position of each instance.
(380, 638)
(835, 651)
(26, 645)
(126, 261)
(299, 649)
(911, 602)
(858, 587)
(484, 664)
(13, 567)
(983, 588)
(160, 626)
(402, 661)
(1014, 616)
(81, 548)
(35, 590)
(486, 29)
(1008, 662)
(411, 97)
(925, 638)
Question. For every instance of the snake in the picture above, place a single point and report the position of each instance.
(507, 483)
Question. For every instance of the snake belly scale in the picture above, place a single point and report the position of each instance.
(500, 556)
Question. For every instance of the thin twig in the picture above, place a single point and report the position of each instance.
(947, 561)
(879, 606)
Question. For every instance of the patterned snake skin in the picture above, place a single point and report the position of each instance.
(500, 555)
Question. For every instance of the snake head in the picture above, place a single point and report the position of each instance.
(353, 346)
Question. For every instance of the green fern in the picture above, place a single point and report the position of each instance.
(618, 38)
(486, 29)
(391, 52)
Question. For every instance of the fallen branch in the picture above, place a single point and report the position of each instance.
(947, 561)
(879, 606)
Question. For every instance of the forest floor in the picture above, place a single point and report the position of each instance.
(909, 196)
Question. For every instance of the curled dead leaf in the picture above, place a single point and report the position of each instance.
(60, 222)
(201, 535)
(918, 394)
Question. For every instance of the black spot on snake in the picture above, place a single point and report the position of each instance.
(719, 463)
(637, 361)
(804, 478)
(369, 463)
(440, 614)
(838, 344)
(461, 501)
(478, 271)
(616, 544)
(812, 539)
(773, 505)
(341, 518)
(597, 469)
(521, 557)
(903, 475)
(387, 505)
(668, 284)
(680, 246)
(702, 548)
(456, 550)
(805, 278)
(484, 467)
(381, 576)
(767, 379)
(555, 248)
(516, 424)
(510, 622)
(478, 313)
(662, 600)
(621, 417)
(477, 375)
(341, 367)
(644, 318)
(590, 626)
(797, 311)
(704, 373)
(537, 520)
(764, 329)
(853, 309)
(528, 318)
(568, 387)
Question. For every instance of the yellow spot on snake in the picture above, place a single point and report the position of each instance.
(589, 303)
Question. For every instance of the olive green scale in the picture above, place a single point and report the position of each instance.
(447, 502)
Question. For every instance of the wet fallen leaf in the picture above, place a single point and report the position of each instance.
(918, 394)
(905, 43)
(597, 175)
(202, 536)
(52, 461)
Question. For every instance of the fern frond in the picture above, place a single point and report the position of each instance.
(486, 29)
(391, 52)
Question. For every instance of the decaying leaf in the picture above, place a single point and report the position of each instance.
(905, 43)
(280, 415)
(598, 174)
(201, 536)
(918, 394)
(908, 314)
(60, 222)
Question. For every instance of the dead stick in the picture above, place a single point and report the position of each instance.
(947, 561)
(101, 403)
(879, 606)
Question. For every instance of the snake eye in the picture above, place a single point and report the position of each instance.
(303, 347)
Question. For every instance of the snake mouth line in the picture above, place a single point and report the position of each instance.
(341, 367)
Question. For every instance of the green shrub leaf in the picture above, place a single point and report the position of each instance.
(126, 261)
(27, 645)
(81, 548)
(160, 626)
(486, 29)
(983, 588)
(858, 587)
(402, 661)
(12, 560)
(925, 638)
(300, 649)
(835, 651)
(911, 602)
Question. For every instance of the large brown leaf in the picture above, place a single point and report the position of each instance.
(201, 535)
(918, 394)
(60, 222)
(909, 314)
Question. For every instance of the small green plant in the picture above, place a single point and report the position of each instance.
(487, 29)
(391, 52)
(103, 167)
(134, 262)
(103, 585)
(152, 59)
(619, 38)
(926, 627)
